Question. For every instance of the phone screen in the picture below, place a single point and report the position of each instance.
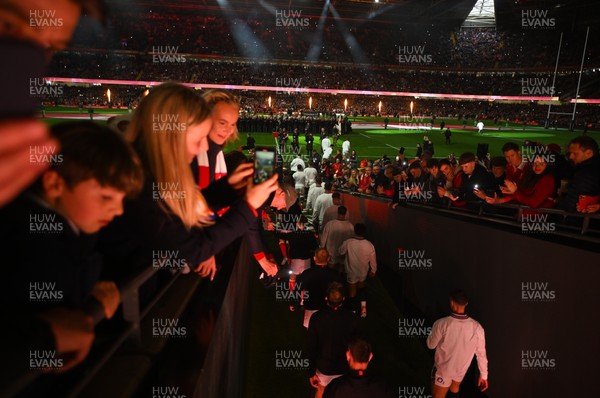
(264, 164)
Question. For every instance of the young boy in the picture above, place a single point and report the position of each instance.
(49, 231)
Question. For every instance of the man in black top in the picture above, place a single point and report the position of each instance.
(329, 331)
(358, 382)
(314, 282)
(475, 177)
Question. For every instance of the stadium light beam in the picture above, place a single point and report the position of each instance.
(310, 103)
(242, 34)
(108, 95)
(345, 105)
(380, 107)
(411, 107)
(269, 101)
(355, 50)
(314, 51)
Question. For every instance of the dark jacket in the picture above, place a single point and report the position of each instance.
(130, 242)
(355, 385)
(315, 281)
(585, 181)
(329, 331)
(47, 263)
(479, 177)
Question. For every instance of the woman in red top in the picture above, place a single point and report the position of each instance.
(536, 189)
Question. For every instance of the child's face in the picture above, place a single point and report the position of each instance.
(196, 138)
(89, 205)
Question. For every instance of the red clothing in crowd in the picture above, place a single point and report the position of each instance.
(515, 174)
(540, 195)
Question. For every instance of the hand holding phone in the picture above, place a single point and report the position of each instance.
(264, 164)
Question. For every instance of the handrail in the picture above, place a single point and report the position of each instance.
(482, 214)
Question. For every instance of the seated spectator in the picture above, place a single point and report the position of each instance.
(358, 382)
(352, 183)
(171, 215)
(584, 188)
(537, 187)
(329, 332)
(360, 259)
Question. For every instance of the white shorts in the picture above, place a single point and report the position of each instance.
(356, 275)
(298, 265)
(324, 380)
(307, 315)
(442, 380)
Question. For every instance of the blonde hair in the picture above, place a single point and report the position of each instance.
(164, 144)
(215, 96)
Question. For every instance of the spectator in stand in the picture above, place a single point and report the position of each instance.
(335, 233)
(322, 202)
(315, 158)
(516, 167)
(435, 179)
(311, 175)
(456, 338)
(353, 180)
(358, 382)
(537, 187)
(360, 259)
(337, 168)
(499, 164)
(328, 335)
(326, 170)
(365, 180)
(584, 188)
(315, 281)
(181, 219)
(475, 177)
(299, 180)
(353, 160)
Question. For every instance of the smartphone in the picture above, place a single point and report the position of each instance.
(264, 163)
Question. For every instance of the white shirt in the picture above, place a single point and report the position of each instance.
(334, 234)
(311, 174)
(327, 153)
(456, 338)
(299, 179)
(331, 214)
(326, 143)
(295, 162)
(345, 147)
(480, 125)
(322, 202)
(313, 193)
(360, 254)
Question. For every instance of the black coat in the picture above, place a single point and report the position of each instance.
(353, 385)
(585, 181)
(41, 248)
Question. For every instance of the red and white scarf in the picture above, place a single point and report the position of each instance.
(204, 168)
